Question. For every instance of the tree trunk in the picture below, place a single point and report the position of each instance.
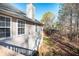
(77, 30)
(71, 25)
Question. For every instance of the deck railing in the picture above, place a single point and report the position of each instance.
(18, 49)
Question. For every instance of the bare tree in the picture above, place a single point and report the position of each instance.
(69, 19)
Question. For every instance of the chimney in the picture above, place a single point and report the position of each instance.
(30, 11)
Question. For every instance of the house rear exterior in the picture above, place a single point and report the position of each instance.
(18, 29)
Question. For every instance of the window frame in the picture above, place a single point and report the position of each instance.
(21, 27)
(2, 38)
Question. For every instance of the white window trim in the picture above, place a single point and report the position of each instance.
(17, 29)
(10, 27)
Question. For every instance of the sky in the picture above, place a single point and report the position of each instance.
(40, 8)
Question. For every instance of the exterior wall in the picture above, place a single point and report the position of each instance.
(31, 36)
(19, 40)
(31, 39)
(35, 37)
(39, 35)
(15, 39)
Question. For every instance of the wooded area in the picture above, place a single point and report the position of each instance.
(63, 37)
(69, 21)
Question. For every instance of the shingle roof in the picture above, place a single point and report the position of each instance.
(9, 9)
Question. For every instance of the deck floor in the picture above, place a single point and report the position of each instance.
(7, 52)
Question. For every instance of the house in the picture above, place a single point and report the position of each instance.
(19, 28)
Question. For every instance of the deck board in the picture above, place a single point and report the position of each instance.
(7, 52)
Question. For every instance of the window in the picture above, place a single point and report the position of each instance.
(4, 27)
(21, 27)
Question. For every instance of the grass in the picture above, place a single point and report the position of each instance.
(48, 41)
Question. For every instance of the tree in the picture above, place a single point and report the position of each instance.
(56, 25)
(47, 20)
(69, 19)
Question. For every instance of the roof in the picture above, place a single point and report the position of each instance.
(9, 9)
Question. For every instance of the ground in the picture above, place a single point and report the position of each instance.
(57, 45)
